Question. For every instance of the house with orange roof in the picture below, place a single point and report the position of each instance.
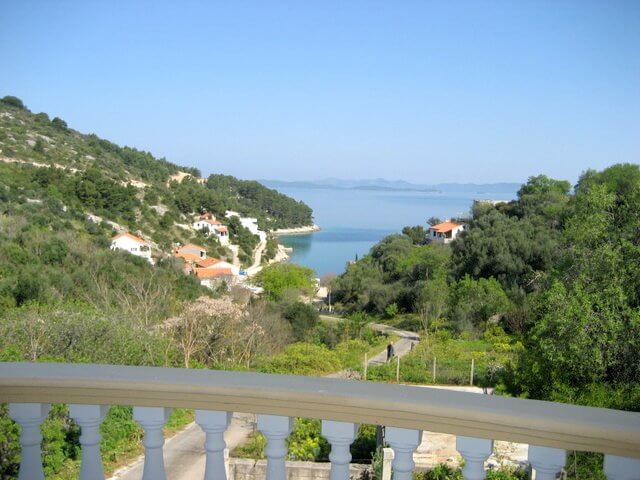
(133, 245)
(198, 251)
(216, 264)
(445, 232)
(213, 277)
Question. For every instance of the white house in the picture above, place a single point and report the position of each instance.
(445, 232)
(212, 226)
(132, 244)
(249, 223)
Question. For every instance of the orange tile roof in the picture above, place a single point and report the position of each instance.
(132, 237)
(187, 257)
(208, 262)
(213, 272)
(445, 226)
(222, 228)
(213, 222)
(191, 245)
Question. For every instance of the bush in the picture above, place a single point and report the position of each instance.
(13, 102)
(278, 278)
(302, 317)
(303, 359)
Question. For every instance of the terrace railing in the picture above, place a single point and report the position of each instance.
(549, 428)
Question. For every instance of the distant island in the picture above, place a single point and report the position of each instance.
(380, 184)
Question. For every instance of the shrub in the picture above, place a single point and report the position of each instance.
(303, 359)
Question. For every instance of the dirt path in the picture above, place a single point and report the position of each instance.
(256, 266)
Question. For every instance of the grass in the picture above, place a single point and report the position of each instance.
(122, 440)
(453, 358)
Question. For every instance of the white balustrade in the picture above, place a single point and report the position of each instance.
(404, 442)
(340, 435)
(621, 468)
(89, 418)
(547, 461)
(475, 452)
(152, 420)
(214, 424)
(276, 429)
(30, 417)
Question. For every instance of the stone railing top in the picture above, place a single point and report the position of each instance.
(459, 413)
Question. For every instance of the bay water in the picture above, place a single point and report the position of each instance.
(352, 220)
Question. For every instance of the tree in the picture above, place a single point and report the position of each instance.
(417, 234)
(432, 300)
(433, 221)
(204, 324)
(276, 279)
(518, 252)
(473, 302)
(13, 102)
(302, 317)
(58, 123)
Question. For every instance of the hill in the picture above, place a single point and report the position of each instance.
(381, 184)
(43, 160)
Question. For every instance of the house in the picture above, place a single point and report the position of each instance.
(132, 244)
(445, 232)
(222, 233)
(216, 264)
(212, 277)
(210, 226)
(192, 249)
(249, 223)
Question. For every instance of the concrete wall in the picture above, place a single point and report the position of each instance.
(245, 469)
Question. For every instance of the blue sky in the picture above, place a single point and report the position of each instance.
(467, 91)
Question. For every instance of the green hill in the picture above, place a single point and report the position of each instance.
(42, 160)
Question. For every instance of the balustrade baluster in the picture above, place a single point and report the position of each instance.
(30, 417)
(89, 418)
(547, 461)
(340, 435)
(621, 468)
(214, 424)
(152, 420)
(404, 442)
(276, 429)
(475, 452)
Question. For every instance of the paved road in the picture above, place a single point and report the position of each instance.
(184, 455)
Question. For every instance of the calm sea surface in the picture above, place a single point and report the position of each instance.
(352, 221)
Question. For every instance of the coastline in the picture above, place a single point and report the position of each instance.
(296, 231)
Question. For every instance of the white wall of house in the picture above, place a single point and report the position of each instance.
(133, 247)
(201, 225)
(223, 237)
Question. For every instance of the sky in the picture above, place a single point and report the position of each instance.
(466, 91)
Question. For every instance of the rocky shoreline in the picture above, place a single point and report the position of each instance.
(297, 230)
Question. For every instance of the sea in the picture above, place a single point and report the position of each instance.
(353, 220)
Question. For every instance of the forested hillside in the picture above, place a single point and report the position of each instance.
(122, 183)
(557, 270)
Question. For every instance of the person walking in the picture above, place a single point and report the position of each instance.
(389, 351)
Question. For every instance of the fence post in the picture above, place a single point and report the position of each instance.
(398, 370)
(472, 368)
(366, 365)
(434, 369)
